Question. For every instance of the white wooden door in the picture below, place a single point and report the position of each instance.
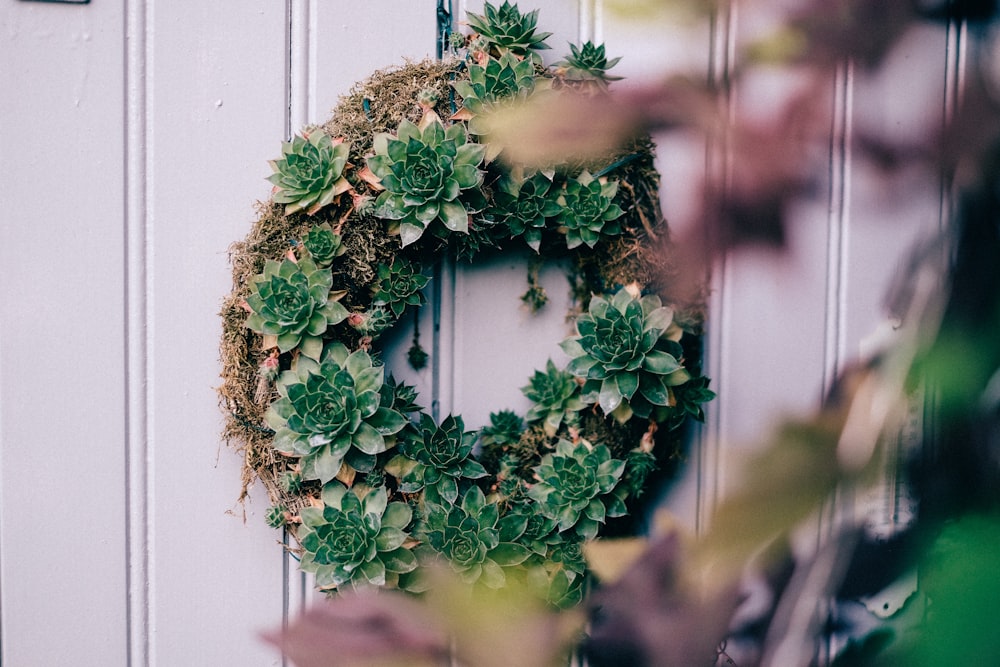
(133, 142)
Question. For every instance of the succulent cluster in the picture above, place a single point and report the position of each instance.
(525, 206)
(505, 29)
(555, 396)
(398, 285)
(506, 78)
(424, 169)
(576, 487)
(474, 539)
(323, 245)
(356, 538)
(588, 64)
(292, 301)
(332, 411)
(437, 459)
(627, 354)
(588, 211)
(310, 172)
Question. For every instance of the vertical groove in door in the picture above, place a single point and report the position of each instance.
(300, 53)
(838, 225)
(138, 533)
(956, 45)
(718, 167)
(300, 59)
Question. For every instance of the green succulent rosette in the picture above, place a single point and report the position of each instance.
(555, 397)
(436, 459)
(628, 355)
(323, 244)
(292, 302)
(310, 173)
(424, 170)
(504, 429)
(398, 285)
(506, 29)
(525, 206)
(588, 63)
(576, 487)
(588, 210)
(559, 576)
(506, 78)
(356, 538)
(474, 540)
(332, 411)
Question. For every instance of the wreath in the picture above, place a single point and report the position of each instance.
(403, 174)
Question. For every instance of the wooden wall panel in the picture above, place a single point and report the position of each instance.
(216, 112)
(63, 589)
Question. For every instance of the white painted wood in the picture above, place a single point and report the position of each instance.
(133, 141)
(216, 81)
(62, 399)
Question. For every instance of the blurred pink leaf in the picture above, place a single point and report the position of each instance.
(364, 628)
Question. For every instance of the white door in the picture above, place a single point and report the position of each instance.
(134, 137)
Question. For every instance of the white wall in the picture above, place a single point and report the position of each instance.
(133, 142)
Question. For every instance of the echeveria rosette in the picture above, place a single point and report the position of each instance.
(425, 169)
(292, 302)
(576, 487)
(525, 207)
(398, 285)
(436, 459)
(332, 411)
(588, 210)
(310, 173)
(559, 576)
(356, 538)
(506, 29)
(323, 244)
(588, 63)
(555, 397)
(475, 541)
(625, 354)
(506, 78)
(504, 429)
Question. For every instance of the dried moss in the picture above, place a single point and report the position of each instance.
(381, 102)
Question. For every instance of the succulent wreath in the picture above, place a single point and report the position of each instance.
(371, 486)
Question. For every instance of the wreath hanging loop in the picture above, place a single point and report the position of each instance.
(402, 175)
